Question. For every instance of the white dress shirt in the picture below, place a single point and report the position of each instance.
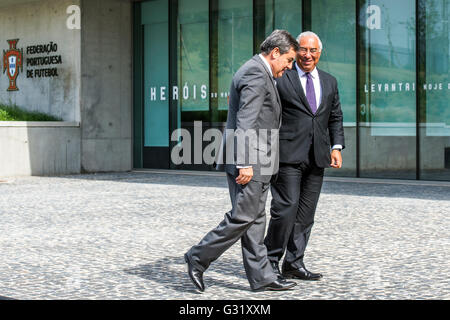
(267, 64)
(316, 82)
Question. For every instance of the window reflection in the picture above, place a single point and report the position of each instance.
(334, 22)
(283, 14)
(211, 39)
(193, 55)
(435, 108)
(235, 42)
(388, 100)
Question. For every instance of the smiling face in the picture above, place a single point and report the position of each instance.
(281, 62)
(309, 53)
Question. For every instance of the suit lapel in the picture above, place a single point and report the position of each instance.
(258, 59)
(324, 90)
(293, 77)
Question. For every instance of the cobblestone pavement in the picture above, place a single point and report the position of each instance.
(123, 236)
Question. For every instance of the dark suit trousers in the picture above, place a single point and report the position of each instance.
(245, 221)
(295, 194)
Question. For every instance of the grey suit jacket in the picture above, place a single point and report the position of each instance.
(253, 122)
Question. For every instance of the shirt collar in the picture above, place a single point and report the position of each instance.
(266, 63)
(314, 73)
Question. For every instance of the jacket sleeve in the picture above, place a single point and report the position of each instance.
(335, 122)
(252, 91)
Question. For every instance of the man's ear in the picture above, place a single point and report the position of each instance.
(275, 53)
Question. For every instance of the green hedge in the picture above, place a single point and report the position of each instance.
(14, 113)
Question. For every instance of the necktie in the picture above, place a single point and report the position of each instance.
(310, 93)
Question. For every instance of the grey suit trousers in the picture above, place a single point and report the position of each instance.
(245, 221)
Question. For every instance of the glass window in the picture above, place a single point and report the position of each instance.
(193, 55)
(335, 23)
(235, 42)
(387, 89)
(156, 73)
(435, 92)
(396, 76)
(284, 14)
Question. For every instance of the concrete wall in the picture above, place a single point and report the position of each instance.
(40, 23)
(39, 148)
(93, 91)
(106, 85)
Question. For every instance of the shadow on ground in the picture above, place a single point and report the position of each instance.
(163, 272)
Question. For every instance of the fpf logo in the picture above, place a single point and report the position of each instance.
(12, 63)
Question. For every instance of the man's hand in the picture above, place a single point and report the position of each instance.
(336, 159)
(245, 175)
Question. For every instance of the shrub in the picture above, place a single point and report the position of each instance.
(14, 113)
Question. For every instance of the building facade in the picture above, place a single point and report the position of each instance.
(142, 76)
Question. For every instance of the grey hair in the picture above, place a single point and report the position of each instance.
(279, 39)
(308, 34)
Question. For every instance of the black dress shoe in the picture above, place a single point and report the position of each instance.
(195, 275)
(277, 271)
(300, 273)
(277, 285)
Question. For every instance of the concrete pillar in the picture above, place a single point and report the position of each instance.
(106, 85)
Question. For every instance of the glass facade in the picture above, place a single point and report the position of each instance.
(434, 112)
(192, 54)
(235, 43)
(334, 22)
(283, 14)
(155, 55)
(387, 127)
(391, 60)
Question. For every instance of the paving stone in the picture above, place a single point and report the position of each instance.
(123, 236)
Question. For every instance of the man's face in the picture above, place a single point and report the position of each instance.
(309, 53)
(282, 62)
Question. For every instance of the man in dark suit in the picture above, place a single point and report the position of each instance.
(311, 139)
(254, 111)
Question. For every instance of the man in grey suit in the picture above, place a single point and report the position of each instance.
(254, 113)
